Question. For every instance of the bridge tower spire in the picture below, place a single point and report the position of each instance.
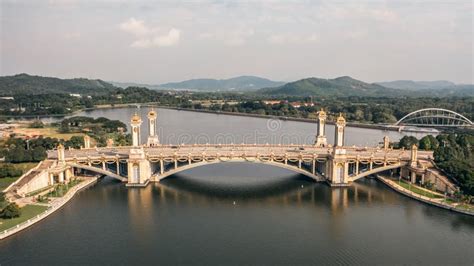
(152, 136)
(321, 137)
(61, 156)
(340, 128)
(87, 142)
(413, 155)
(136, 122)
(386, 143)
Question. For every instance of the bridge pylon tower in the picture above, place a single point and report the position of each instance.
(340, 130)
(338, 171)
(413, 155)
(87, 142)
(136, 122)
(386, 143)
(321, 140)
(153, 139)
(139, 168)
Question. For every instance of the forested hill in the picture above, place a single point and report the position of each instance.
(24, 84)
(416, 85)
(242, 83)
(342, 86)
(440, 88)
(347, 86)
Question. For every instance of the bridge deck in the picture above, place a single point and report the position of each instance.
(238, 151)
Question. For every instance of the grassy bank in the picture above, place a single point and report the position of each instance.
(417, 190)
(6, 181)
(61, 189)
(51, 132)
(27, 212)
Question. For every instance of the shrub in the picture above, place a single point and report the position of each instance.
(11, 211)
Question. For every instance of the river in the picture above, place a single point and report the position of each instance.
(243, 213)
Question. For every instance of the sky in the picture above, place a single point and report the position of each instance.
(162, 41)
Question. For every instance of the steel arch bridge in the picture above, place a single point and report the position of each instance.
(434, 117)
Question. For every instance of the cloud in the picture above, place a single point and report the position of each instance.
(136, 27)
(149, 36)
(169, 39)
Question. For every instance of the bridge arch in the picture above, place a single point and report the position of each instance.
(315, 176)
(377, 170)
(434, 117)
(99, 171)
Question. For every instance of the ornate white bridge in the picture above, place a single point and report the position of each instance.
(137, 165)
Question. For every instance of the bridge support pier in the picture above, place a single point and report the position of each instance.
(161, 167)
(338, 172)
(139, 169)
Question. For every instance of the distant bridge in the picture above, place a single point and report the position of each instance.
(434, 117)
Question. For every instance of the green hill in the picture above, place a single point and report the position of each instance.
(242, 83)
(342, 86)
(34, 85)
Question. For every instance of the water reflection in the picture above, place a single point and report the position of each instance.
(292, 191)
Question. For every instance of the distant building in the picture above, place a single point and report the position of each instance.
(77, 95)
(7, 98)
(272, 102)
(18, 109)
(299, 104)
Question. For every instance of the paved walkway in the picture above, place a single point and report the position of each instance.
(436, 202)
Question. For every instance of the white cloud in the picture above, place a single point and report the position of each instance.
(136, 26)
(150, 36)
(169, 39)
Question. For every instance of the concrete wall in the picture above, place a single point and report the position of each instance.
(40, 181)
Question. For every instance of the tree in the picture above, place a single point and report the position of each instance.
(38, 154)
(428, 143)
(455, 156)
(3, 201)
(75, 142)
(407, 142)
(37, 124)
(11, 211)
(16, 155)
(8, 170)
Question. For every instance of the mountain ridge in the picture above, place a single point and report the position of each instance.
(416, 85)
(340, 86)
(240, 83)
(30, 84)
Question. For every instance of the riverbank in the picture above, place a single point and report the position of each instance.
(285, 118)
(53, 206)
(428, 199)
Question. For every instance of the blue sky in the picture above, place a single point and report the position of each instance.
(161, 41)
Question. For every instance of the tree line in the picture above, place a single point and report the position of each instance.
(453, 153)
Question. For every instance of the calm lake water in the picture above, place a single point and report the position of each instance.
(243, 213)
